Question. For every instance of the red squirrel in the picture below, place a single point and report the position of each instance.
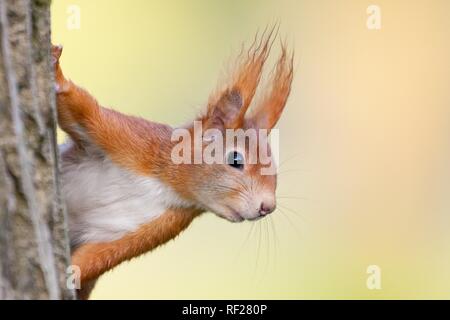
(124, 194)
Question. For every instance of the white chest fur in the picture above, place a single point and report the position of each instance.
(105, 202)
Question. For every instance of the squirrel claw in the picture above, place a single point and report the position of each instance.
(60, 84)
(56, 53)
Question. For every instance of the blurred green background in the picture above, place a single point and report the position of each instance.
(365, 149)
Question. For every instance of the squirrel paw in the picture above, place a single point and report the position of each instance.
(61, 84)
(56, 53)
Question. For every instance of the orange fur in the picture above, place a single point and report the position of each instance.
(145, 147)
(130, 141)
(269, 109)
(124, 138)
(96, 258)
(245, 79)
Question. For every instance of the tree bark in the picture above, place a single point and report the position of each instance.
(34, 246)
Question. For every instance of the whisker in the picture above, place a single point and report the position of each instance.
(258, 250)
(297, 214)
(247, 238)
(292, 197)
(288, 159)
(266, 267)
(290, 171)
(242, 195)
(290, 222)
(275, 242)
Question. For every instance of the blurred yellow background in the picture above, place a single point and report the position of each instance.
(365, 142)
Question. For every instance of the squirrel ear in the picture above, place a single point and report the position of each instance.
(226, 112)
(228, 107)
(269, 110)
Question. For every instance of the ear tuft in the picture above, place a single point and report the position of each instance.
(268, 111)
(242, 84)
(227, 108)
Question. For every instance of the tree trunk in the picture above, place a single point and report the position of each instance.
(34, 246)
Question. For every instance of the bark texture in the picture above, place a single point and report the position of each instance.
(34, 246)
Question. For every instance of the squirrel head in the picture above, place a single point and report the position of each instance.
(229, 167)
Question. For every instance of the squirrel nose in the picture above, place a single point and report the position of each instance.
(266, 208)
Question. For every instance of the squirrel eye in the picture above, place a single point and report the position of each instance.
(236, 160)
